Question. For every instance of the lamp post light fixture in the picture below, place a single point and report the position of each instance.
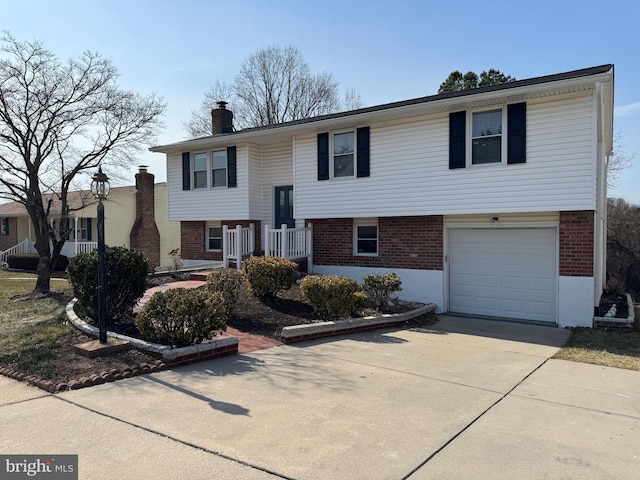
(100, 190)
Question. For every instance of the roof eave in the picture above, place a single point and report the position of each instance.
(397, 109)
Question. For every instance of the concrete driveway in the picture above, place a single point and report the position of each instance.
(465, 399)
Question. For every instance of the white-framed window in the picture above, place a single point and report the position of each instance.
(84, 229)
(365, 236)
(219, 168)
(4, 226)
(487, 139)
(343, 148)
(214, 237)
(200, 170)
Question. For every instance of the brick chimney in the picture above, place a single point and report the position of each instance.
(144, 235)
(221, 119)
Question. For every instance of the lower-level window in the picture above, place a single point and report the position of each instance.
(214, 237)
(365, 236)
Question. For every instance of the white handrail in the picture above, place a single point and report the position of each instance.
(22, 247)
(290, 243)
(237, 243)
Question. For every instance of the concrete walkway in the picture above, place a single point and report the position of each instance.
(464, 399)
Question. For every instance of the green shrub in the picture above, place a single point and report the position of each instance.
(379, 288)
(227, 281)
(126, 281)
(268, 276)
(182, 316)
(29, 261)
(333, 297)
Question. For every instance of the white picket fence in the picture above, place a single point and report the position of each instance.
(237, 243)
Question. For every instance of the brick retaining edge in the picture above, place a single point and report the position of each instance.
(312, 331)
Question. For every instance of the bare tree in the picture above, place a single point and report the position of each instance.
(623, 243)
(274, 85)
(59, 121)
(619, 161)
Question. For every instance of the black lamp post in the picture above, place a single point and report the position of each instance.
(100, 190)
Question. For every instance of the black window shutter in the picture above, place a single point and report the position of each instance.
(323, 156)
(517, 133)
(457, 141)
(88, 229)
(232, 171)
(363, 152)
(186, 171)
(6, 225)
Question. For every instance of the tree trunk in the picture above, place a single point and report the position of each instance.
(43, 283)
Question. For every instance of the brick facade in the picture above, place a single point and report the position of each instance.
(576, 239)
(10, 240)
(193, 241)
(144, 234)
(403, 242)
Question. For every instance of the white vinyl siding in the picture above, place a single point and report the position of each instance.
(277, 172)
(208, 203)
(410, 172)
(255, 182)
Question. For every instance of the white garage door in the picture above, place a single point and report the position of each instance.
(508, 273)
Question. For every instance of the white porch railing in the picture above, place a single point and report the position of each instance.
(85, 247)
(289, 243)
(237, 243)
(25, 246)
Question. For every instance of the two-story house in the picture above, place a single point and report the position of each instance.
(490, 201)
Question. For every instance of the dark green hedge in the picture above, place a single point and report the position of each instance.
(29, 261)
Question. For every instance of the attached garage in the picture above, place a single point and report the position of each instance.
(504, 272)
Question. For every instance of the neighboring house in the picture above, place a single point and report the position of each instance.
(135, 217)
(490, 201)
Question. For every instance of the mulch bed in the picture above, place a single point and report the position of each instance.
(68, 370)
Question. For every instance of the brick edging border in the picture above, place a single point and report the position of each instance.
(312, 331)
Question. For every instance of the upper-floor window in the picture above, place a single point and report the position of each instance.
(215, 168)
(486, 137)
(343, 154)
(494, 136)
(219, 168)
(200, 169)
(4, 226)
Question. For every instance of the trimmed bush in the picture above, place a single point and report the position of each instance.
(227, 281)
(333, 297)
(29, 261)
(126, 281)
(182, 316)
(379, 288)
(268, 276)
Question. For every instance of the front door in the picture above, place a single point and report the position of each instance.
(284, 207)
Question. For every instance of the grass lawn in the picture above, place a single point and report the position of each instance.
(35, 338)
(601, 347)
(31, 331)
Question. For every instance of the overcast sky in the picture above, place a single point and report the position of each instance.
(386, 50)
